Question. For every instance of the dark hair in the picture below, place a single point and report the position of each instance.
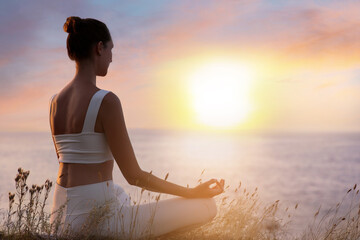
(83, 34)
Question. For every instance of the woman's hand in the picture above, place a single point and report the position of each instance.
(205, 191)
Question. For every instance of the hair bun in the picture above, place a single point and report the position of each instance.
(72, 24)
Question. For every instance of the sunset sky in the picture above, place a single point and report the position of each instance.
(301, 60)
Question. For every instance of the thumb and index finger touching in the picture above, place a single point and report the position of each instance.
(218, 184)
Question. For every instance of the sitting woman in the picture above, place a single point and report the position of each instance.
(89, 133)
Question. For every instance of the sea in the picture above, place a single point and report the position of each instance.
(313, 170)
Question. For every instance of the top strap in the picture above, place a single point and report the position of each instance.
(93, 110)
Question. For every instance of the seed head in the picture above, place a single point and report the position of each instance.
(48, 184)
(26, 174)
(11, 196)
(17, 178)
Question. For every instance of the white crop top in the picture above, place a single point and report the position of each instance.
(88, 146)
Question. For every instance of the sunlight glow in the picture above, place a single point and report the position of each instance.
(220, 93)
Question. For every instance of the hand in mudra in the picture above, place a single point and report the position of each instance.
(205, 190)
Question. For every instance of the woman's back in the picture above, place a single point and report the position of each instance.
(77, 132)
(69, 107)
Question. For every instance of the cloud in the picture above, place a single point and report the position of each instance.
(328, 31)
(309, 35)
(306, 37)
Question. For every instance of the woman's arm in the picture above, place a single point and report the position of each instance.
(153, 183)
(113, 122)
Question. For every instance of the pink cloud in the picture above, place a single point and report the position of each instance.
(328, 34)
(310, 32)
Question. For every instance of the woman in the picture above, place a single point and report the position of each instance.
(89, 133)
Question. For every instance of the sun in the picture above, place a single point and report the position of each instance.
(220, 93)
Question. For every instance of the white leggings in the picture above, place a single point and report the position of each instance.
(108, 201)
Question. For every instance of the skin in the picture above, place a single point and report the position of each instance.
(68, 114)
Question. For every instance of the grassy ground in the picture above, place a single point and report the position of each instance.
(241, 217)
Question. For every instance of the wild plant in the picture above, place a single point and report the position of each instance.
(337, 222)
(26, 213)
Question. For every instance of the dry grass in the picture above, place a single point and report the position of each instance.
(241, 216)
(339, 222)
(26, 216)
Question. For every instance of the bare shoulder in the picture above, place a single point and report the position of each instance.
(111, 113)
(111, 103)
(111, 100)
